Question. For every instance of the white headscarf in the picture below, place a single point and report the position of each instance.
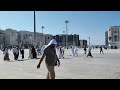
(53, 41)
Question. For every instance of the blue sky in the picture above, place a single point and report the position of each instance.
(85, 23)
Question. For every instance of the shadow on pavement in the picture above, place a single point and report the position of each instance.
(37, 58)
(67, 58)
(20, 60)
(97, 57)
(11, 61)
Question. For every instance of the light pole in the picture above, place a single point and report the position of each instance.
(42, 28)
(63, 32)
(63, 38)
(66, 33)
(42, 33)
(34, 30)
(89, 41)
(73, 40)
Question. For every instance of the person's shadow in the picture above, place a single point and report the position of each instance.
(66, 58)
(20, 60)
(23, 59)
(36, 58)
(11, 61)
(97, 57)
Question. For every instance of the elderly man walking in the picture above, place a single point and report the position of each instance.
(51, 59)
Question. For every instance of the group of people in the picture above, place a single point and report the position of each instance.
(74, 51)
(33, 52)
(16, 51)
(89, 51)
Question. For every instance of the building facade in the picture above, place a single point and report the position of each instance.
(48, 37)
(114, 37)
(25, 38)
(2, 39)
(106, 38)
(11, 37)
(83, 43)
(40, 39)
(72, 40)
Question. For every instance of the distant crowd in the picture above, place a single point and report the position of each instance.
(33, 52)
(37, 51)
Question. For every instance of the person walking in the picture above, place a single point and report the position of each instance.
(75, 51)
(6, 54)
(89, 51)
(30, 53)
(50, 60)
(34, 52)
(101, 49)
(15, 52)
(60, 53)
(72, 49)
(38, 51)
(85, 50)
(63, 51)
(22, 52)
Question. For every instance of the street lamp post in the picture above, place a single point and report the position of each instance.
(42, 33)
(73, 40)
(66, 33)
(34, 30)
(63, 32)
(42, 28)
(89, 41)
(63, 38)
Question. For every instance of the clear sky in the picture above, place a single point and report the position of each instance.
(91, 24)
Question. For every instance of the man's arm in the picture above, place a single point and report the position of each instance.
(38, 66)
(58, 60)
